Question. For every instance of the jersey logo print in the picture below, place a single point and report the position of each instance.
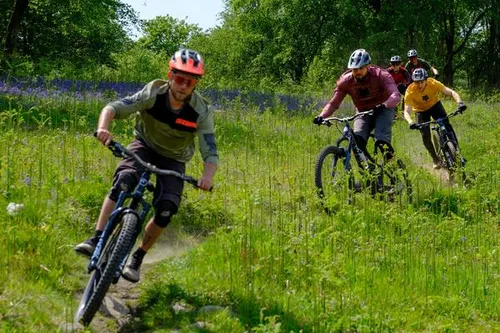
(425, 98)
(363, 92)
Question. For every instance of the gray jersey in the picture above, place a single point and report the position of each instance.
(170, 132)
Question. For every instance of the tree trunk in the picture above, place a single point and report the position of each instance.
(20, 7)
(494, 49)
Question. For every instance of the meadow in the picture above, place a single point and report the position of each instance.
(270, 257)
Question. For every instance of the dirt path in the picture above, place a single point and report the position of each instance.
(122, 299)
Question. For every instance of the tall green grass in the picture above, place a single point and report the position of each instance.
(270, 255)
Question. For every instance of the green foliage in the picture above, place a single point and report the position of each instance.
(165, 34)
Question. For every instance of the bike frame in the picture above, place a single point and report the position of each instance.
(361, 157)
(138, 206)
(118, 212)
(445, 136)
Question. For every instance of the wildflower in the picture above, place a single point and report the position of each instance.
(13, 208)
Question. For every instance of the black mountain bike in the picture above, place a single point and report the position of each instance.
(336, 176)
(119, 236)
(446, 146)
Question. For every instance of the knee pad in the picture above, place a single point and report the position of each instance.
(164, 211)
(124, 181)
(385, 148)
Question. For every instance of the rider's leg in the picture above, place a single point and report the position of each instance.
(437, 111)
(423, 117)
(164, 210)
(166, 201)
(362, 127)
(383, 127)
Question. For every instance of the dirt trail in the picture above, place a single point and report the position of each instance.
(122, 298)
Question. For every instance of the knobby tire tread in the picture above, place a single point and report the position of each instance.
(319, 169)
(123, 245)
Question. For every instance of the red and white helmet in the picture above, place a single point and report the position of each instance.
(188, 61)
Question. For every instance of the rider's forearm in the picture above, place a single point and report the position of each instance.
(209, 170)
(407, 114)
(105, 118)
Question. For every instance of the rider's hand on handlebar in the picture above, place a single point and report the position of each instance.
(413, 126)
(104, 136)
(205, 183)
(318, 120)
(461, 106)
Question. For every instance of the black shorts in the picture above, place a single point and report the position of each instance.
(167, 187)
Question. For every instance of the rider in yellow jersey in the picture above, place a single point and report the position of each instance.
(422, 97)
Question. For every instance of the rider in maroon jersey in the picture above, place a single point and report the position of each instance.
(401, 76)
(370, 88)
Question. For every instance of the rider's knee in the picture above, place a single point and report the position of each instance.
(164, 211)
(124, 181)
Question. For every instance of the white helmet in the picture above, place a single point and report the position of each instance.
(358, 59)
(412, 53)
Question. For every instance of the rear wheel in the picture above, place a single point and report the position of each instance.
(331, 177)
(116, 249)
(436, 141)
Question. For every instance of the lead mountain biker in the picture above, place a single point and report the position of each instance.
(370, 87)
(422, 97)
(169, 114)
(414, 62)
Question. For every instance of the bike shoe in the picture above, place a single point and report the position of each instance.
(132, 272)
(87, 247)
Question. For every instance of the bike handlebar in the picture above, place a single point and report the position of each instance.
(120, 151)
(453, 114)
(328, 121)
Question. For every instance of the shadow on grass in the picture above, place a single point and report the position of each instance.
(172, 307)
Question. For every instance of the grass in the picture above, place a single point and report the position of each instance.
(271, 257)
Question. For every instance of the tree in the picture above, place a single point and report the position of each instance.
(165, 34)
(20, 7)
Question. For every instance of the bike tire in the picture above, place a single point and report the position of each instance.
(436, 141)
(450, 152)
(330, 176)
(115, 250)
(456, 170)
(397, 184)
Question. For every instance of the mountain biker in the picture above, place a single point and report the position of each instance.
(169, 114)
(415, 62)
(400, 75)
(422, 97)
(370, 87)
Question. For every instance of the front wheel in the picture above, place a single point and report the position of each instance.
(115, 251)
(332, 176)
(454, 163)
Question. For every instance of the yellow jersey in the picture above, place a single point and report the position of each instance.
(424, 100)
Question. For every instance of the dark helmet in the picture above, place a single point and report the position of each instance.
(419, 74)
(396, 58)
(187, 61)
(412, 53)
(358, 59)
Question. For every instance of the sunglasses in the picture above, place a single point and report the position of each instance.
(188, 81)
(395, 63)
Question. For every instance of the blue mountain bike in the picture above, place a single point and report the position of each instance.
(119, 236)
(337, 175)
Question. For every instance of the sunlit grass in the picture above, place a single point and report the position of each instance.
(271, 256)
